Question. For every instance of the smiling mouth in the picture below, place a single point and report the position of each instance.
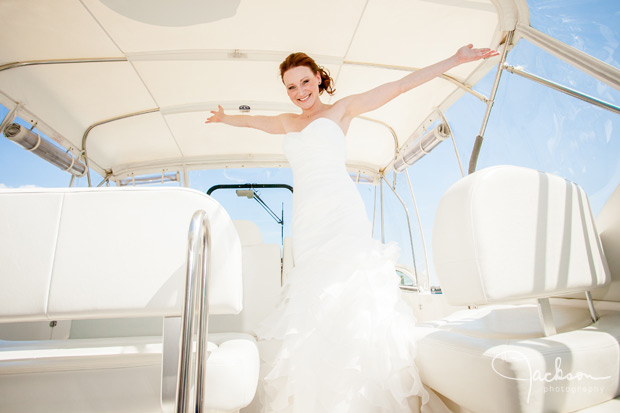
(304, 99)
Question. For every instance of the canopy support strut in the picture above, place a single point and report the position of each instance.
(473, 160)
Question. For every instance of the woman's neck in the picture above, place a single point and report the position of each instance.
(315, 111)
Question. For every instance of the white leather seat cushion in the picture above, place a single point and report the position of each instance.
(31, 229)
(608, 224)
(471, 359)
(108, 252)
(506, 233)
(232, 371)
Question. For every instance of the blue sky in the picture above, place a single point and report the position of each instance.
(530, 126)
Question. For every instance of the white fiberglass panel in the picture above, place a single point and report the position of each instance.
(255, 25)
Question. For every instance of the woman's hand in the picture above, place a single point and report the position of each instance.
(217, 115)
(469, 54)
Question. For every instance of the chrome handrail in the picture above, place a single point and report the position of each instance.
(196, 301)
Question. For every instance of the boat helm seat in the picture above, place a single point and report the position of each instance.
(520, 249)
(110, 253)
(261, 280)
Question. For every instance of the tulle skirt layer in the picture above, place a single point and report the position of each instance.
(344, 335)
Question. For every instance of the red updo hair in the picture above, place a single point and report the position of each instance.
(302, 59)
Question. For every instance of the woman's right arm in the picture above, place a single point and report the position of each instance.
(269, 124)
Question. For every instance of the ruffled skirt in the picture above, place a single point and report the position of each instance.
(343, 336)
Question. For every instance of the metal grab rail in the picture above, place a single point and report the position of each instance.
(196, 301)
(566, 90)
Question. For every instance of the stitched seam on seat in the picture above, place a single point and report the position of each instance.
(49, 287)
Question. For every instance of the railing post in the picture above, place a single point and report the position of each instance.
(196, 301)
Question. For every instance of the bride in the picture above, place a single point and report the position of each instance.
(343, 333)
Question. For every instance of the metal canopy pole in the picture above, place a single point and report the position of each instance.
(382, 208)
(94, 125)
(426, 282)
(415, 268)
(374, 212)
(473, 161)
(566, 90)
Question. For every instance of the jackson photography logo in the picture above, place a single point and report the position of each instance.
(557, 381)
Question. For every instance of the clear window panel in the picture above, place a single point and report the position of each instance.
(590, 26)
(537, 127)
(278, 200)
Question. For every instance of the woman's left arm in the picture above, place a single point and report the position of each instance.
(379, 96)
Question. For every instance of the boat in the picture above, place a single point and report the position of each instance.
(136, 284)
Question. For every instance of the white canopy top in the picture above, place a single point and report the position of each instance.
(170, 63)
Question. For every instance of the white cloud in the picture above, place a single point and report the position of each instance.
(3, 186)
(608, 130)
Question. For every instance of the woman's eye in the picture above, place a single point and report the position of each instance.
(305, 81)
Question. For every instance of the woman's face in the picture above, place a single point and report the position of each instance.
(302, 86)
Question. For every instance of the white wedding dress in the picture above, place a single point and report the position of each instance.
(343, 332)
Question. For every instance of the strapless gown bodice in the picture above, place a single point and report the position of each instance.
(327, 207)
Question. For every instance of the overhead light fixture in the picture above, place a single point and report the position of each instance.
(33, 142)
(419, 147)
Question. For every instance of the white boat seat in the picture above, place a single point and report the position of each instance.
(107, 368)
(505, 241)
(608, 225)
(76, 254)
(261, 281)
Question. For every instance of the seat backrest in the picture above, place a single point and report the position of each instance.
(249, 233)
(507, 233)
(261, 282)
(608, 224)
(108, 252)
